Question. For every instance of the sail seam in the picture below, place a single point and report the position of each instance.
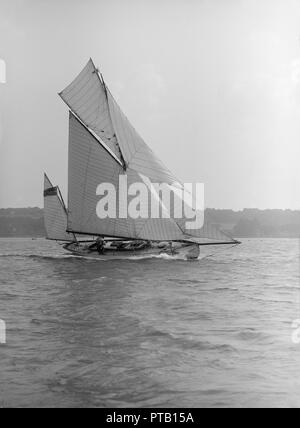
(103, 85)
(85, 183)
(85, 88)
(96, 137)
(78, 78)
(115, 132)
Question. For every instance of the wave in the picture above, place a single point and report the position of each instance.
(186, 281)
(37, 256)
(266, 300)
(11, 255)
(190, 342)
(200, 283)
(252, 335)
(89, 258)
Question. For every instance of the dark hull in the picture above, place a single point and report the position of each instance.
(180, 251)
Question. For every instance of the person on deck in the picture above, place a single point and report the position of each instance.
(98, 245)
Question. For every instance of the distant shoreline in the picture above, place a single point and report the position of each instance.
(248, 223)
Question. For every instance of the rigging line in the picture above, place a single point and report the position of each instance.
(98, 139)
(125, 116)
(94, 135)
(135, 163)
(121, 111)
(160, 163)
(141, 150)
(103, 84)
(61, 199)
(125, 166)
(207, 228)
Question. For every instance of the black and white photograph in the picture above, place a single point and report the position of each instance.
(149, 206)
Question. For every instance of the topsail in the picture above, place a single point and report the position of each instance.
(103, 145)
(86, 97)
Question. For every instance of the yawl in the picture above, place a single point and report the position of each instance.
(103, 145)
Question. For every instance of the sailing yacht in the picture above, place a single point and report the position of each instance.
(104, 146)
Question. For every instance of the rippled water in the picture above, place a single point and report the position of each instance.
(151, 332)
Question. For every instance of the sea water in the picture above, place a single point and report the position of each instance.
(150, 332)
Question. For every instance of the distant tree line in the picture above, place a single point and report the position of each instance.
(22, 222)
(257, 223)
(248, 223)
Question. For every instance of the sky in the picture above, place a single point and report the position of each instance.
(213, 87)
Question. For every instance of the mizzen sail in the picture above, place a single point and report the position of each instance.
(55, 214)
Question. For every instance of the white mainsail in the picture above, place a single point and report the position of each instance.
(104, 145)
(90, 165)
(55, 214)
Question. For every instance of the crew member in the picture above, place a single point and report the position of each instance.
(98, 245)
